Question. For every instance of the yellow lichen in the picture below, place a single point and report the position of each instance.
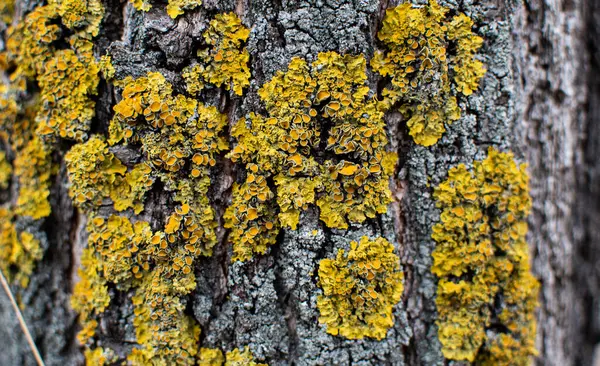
(99, 356)
(483, 263)
(214, 357)
(241, 358)
(181, 140)
(5, 171)
(90, 294)
(33, 169)
(210, 357)
(67, 76)
(281, 148)
(426, 51)
(116, 243)
(142, 5)
(360, 289)
(7, 8)
(106, 67)
(19, 250)
(177, 7)
(225, 61)
(174, 7)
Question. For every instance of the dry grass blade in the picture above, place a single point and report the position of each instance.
(32, 345)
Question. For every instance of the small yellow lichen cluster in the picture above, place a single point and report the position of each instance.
(360, 289)
(177, 7)
(100, 357)
(174, 8)
(214, 357)
(90, 294)
(5, 171)
(32, 163)
(283, 147)
(67, 76)
(33, 169)
(167, 335)
(425, 51)
(7, 8)
(483, 263)
(225, 61)
(95, 174)
(19, 250)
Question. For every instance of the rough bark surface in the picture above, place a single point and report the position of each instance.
(540, 99)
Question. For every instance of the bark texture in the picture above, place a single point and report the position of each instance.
(540, 99)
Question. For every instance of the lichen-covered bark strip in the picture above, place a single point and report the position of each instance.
(269, 304)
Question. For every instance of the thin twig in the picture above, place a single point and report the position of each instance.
(36, 353)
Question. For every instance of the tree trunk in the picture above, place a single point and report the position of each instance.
(540, 99)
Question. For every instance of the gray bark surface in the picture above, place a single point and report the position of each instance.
(540, 99)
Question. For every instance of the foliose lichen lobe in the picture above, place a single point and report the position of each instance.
(360, 289)
(430, 60)
(482, 262)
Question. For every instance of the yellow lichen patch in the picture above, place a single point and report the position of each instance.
(252, 217)
(425, 52)
(99, 356)
(281, 148)
(360, 289)
(116, 243)
(181, 140)
(210, 357)
(483, 263)
(106, 67)
(19, 250)
(5, 171)
(176, 132)
(7, 8)
(177, 7)
(93, 172)
(142, 5)
(165, 333)
(241, 358)
(82, 16)
(68, 76)
(225, 61)
(33, 169)
(90, 295)
(67, 86)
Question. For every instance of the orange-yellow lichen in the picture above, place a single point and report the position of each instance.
(95, 174)
(360, 289)
(426, 51)
(174, 7)
(19, 249)
(7, 8)
(483, 263)
(214, 357)
(99, 356)
(349, 185)
(181, 140)
(90, 294)
(5, 171)
(106, 67)
(225, 61)
(210, 357)
(33, 169)
(116, 243)
(177, 7)
(67, 76)
(241, 358)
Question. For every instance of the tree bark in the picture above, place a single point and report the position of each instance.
(540, 99)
